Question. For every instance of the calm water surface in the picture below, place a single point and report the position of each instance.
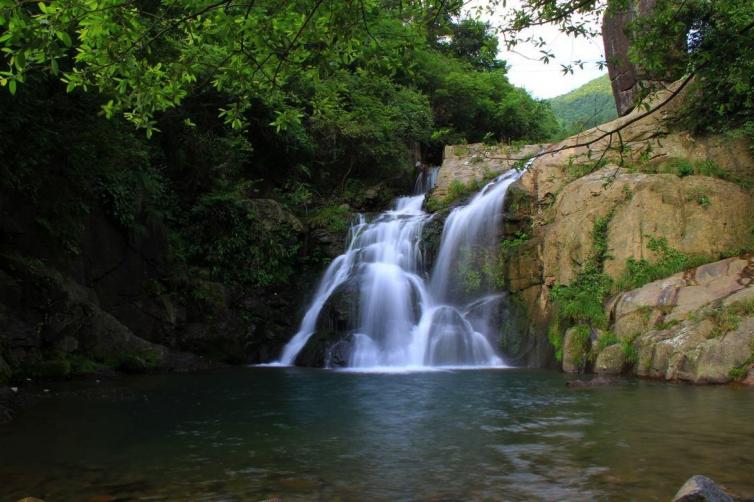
(297, 434)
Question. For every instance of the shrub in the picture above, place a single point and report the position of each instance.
(670, 261)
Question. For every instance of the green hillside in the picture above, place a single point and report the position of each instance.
(588, 106)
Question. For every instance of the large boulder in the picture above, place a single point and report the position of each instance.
(53, 327)
(701, 489)
(475, 162)
(577, 342)
(567, 196)
(331, 342)
(696, 326)
(643, 206)
(610, 360)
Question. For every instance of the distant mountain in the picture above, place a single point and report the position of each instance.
(588, 106)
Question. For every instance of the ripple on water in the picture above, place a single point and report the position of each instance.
(302, 435)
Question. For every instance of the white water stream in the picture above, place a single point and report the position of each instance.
(405, 318)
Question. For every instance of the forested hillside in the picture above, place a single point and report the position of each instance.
(586, 107)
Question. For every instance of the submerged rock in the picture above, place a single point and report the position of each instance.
(701, 489)
(598, 381)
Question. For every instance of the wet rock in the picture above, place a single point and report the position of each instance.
(610, 360)
(701, 489)
(326, 349)
(271, 214)
(48, 318)
(598, 381)
(575, 349)
(330, 342)
(749, 380)
(331, 243)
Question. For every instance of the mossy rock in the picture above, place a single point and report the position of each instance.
(611, 360)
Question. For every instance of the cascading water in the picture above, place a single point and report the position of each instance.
(405, 319)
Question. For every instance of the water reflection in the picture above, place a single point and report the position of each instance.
(308, 434)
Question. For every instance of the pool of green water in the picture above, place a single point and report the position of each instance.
(299, 434)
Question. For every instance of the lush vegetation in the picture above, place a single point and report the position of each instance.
(580, 303)
(588, 106)
(238, 125)
(714, 41)
(669, 261)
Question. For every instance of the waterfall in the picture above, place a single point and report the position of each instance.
(406, 317)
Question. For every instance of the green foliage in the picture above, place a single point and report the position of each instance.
(243, 241)
(472, 280)
(727, 318)
(474, 106)
(606, 339)
(555, 337)
(715, 40)
(742, 371)
(580, 303)
(663, 325)
(629, 349)
(474, 42)
(334, 218)
(588, 106)
(581, 345)
(136, 362)
(305, 60)
(669, 261)
(580, 167)
(57, 366)
(699, 196)
(682, 167)
(511, 245)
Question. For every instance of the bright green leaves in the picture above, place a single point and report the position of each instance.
(286, 119)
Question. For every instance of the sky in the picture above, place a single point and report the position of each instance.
(547, 80)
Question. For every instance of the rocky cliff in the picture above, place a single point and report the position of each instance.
(600, 215)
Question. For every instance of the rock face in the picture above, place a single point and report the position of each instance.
(610, 360)
(331, 343)
(121, 302)
(51, 326)
(701, 489)
(467, 163)
(693, 192)
(696, 326)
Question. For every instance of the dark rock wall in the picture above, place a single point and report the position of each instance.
(122, 294)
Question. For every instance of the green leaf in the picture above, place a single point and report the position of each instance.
(54, 66)
(12, 86)
(64, 37)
